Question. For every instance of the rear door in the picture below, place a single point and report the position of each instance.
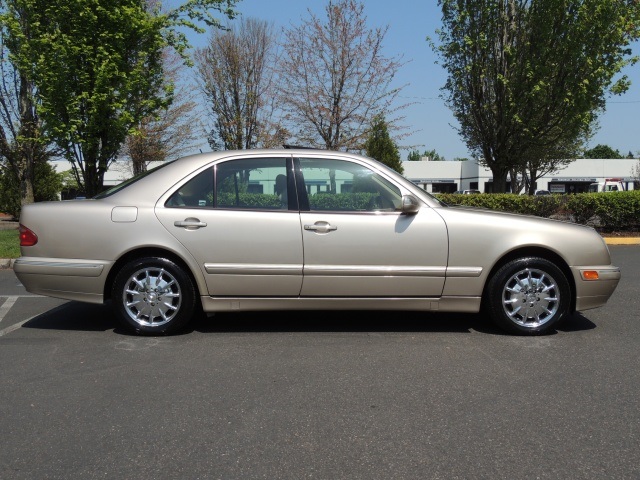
(245, 239)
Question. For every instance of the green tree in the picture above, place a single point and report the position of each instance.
(413, 156)
(22, 141)
(528, 77)
(98, 69)
(539, 163)
(169, 133)
(602, 151)
(380, 145)
(47, 185)
(434, 156)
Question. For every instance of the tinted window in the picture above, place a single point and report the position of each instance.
(196, 193)
(252, 184)
(338, 185)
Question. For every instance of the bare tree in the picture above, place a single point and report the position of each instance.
(235, 76)
(169, 133)
(334, 78)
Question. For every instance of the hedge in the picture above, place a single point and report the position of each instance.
(606, 211)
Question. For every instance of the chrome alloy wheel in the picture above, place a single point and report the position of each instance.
(531, 297)
(151, 297)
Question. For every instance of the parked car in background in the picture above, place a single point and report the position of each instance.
(608, 185)
(542, 192)
(212, 232)
(467, 192)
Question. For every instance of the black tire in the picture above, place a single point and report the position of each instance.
(153, 296)
(528, 296)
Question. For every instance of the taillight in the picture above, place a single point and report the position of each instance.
(27, 237)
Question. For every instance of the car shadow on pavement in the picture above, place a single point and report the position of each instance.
(75, 316)
(88, 317)
(362, 321)
(576, 323)
(335, 321)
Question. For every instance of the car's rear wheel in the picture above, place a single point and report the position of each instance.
(153, 296)
(528, 296)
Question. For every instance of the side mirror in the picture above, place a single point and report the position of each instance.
(410, 204)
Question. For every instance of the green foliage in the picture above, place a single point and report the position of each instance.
(249, 200)
(9, 243)
(602, 151)
(47, 186)
(359, 201)
(527, 80)
(98, 69)
(380, 145)
(351, 201)
(413, 156)
(68, 182)
(9, 193)
(607, 211)
(434, 156)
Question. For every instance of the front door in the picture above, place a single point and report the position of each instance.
(356, 241)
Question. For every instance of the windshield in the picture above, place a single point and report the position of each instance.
(126, 183)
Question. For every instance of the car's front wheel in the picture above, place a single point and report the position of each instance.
(153, 296)
(528, 296)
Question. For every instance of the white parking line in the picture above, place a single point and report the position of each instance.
(6, 306)
(10, 300)
(16, 326)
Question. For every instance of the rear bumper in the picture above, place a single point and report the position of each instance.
(71, 279)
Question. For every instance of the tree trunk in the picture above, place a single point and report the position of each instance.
(27, 142)
(499, 179)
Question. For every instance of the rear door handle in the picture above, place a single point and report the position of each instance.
(190, 223)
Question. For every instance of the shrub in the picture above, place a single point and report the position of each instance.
(606, 211)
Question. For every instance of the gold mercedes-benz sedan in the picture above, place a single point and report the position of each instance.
(304, 230)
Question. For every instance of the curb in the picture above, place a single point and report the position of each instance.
(8, 262)
(622, 240)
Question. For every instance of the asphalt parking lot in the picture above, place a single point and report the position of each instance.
(324, 395)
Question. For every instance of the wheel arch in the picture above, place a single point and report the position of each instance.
(540, 252)
(148, 252)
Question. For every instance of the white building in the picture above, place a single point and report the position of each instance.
(450, 176)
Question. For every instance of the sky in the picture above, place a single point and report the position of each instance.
(434, 127)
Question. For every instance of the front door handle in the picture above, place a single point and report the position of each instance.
(321, 227)
(190, 223)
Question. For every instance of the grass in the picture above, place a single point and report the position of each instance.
(9, 243)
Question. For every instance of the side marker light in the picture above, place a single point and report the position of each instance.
(590, 275)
